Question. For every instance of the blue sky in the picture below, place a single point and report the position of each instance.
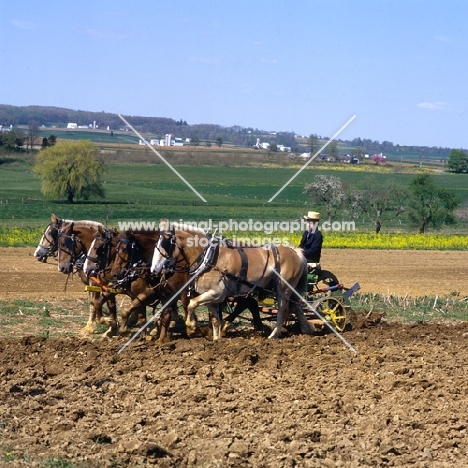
(305, 66)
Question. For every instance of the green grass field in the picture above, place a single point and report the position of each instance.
(150, 191)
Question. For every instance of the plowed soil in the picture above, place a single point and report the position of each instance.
(306, 401)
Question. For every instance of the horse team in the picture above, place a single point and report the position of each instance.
(171, 264)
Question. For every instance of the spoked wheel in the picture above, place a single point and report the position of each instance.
(332, 310)
(324, 279)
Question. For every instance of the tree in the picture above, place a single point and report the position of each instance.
(333, 150)
(378, 203)
(33, 132)
(313, 143)
(219, 142)
(71, 169)
(11, 141)
(52, 140)
(458, 161)
(328, 191)
(358, 153)
(378, 159)
(430, 205)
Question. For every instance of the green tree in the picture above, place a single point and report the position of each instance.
(219, 142)
(333, 150)
(313, 143)
(429, 205)
(71, 169)
(52, 140)
(458, 161)
(378, 203)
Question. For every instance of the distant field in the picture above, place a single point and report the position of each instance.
(118, 138)
(149, 191)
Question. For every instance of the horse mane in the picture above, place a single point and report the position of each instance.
(88, 223)
(188, 228)
(83, 223)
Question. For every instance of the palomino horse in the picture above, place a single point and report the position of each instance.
(130, 270)
(48, 247)
(233, 271)
(73, 242)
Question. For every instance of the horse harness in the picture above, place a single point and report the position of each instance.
(208, 258)
(241, 279)
(52, 248)
(135, 264)
(70, 244)
(104, 251)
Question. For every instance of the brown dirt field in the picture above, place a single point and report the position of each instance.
(244, 401)
(398, 272)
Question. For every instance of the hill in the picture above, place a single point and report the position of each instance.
(50, 118)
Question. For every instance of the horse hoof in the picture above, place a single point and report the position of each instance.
(225, 327)
(89, 329)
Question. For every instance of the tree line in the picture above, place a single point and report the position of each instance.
(159, 126)
(426, 204)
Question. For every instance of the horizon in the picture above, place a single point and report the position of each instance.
(304, 68)
(321, 137)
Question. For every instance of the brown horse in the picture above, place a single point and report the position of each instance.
(73, 242)
(234, 272)
(130, 270)
(48, 247)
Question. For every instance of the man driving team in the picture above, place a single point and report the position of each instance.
(311, 242)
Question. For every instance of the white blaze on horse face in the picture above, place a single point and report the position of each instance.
(39, 247)
(88, 265)
(158, 260)
(43, 247)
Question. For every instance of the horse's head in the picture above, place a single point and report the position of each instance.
(101, 252)
(70, 248)
(128, 254)
(179, 244)
(165, 253)
(47, 246)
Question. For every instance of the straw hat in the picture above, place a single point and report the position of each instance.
(312, 216)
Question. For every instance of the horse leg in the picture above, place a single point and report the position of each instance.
(124, 316)
(280, 317)
(243, 303)
(306, 327)
(164, 323)
(216, 322)
(111, 321)
(191, 318)
(137, 306)
(90, 326)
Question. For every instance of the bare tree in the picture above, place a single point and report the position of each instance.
(33, 132)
